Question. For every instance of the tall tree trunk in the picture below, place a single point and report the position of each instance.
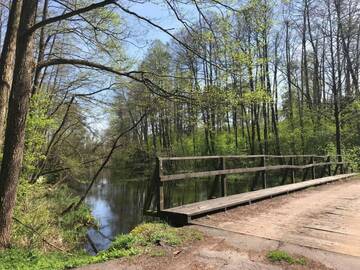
(42, 45)
(305, 58)
(274, 106)
(335, 86)
(7, 60)
(344, 46)
(288, 75)
(15, 129)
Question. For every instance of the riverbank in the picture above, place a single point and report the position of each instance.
(213, 252)
(148, 239)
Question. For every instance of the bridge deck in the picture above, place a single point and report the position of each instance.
(183, 214)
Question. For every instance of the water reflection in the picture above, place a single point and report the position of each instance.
(117, 205)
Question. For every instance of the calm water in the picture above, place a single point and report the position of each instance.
(118, 207)
(117, 204)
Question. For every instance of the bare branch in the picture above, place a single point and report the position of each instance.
(70, 14)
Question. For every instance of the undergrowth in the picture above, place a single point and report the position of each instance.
(38, 218)
(144, 239)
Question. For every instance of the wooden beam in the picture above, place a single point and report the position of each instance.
(181, 176)
(263, 173)
(312, 167)
(236, 156)
(160, 186)
(292, 170)
(223, 177)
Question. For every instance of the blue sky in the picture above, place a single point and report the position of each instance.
(157, 13)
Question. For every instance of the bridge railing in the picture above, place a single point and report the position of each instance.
(290, 164)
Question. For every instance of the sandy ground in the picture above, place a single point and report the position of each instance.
(325, 217)
(210, 254)
(321, 224)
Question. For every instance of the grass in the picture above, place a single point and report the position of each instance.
(39, 207)
(278, 256)
(144, 239)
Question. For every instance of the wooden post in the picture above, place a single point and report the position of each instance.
(329, 166)
(341, 165)
(304, 171)
(160, 185)
(223, 178)
(292, 170)
(312, 167)
(346, 166)
(263, 174)
(151, 192)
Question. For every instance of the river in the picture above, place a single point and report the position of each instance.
(117, 203)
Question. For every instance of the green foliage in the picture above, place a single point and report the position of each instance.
(21, 259)
(225, 143)
(352, 155)
(39, 206)
(149, 234)
(140, 240)
(37, 123)
(256, 97)
(152, 233)
(282, 256)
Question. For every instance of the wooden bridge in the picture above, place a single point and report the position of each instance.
(294, 172)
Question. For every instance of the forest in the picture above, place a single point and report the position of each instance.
(93, 85)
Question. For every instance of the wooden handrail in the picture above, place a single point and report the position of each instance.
(159, 178)
(242, 156)
(181, 176)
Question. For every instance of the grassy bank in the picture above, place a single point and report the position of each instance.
(45, 238)
(39, 223)
(144, 239)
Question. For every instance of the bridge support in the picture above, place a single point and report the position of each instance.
(292, 170)
(223, 177)
(263, 173)
(160, 186)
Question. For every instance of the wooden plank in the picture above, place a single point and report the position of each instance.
(209, 173)
(204, 207)
(208, 157)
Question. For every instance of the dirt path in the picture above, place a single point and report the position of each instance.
(325, 217)
(322, 224)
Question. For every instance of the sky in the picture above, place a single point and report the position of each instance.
(143, 34)
(141, 39)
(146, 34)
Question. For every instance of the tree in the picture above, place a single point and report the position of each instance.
(18, 107)
(7, 60)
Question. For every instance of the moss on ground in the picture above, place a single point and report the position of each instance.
(144, 239)
(279, 256)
